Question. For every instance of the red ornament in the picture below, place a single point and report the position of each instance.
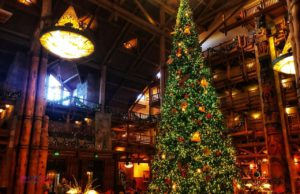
(208, 115)
(180, 139)
(218, 153)
(168, 181)
(208, 178)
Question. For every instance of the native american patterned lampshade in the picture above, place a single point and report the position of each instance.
(67, 39)
(285, 64)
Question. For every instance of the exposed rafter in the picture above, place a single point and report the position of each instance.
(134, 64)
(128, 16)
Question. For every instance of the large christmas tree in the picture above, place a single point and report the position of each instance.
(193, 154)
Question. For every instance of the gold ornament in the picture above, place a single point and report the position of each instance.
(196, 137)
(199, 170)
(170, 61)
(204, 83)
(163, 156)
(201, 109)
(179, 53)
(183, 106)
(206, 168)
(218, 153)
(174, 110)
(187, 30)
(174, 186)
(206, 151)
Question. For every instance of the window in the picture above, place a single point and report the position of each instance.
(56, 91)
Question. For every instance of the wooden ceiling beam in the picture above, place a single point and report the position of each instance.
(70, 78)
(200, 20)
(119, 73)
(145, 12)
(222, 23)
(169, 10)
(115, 44)
(125, 87)
(128, 16)
(134, 64)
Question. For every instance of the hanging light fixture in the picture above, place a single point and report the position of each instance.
(67, 39)
(27, 2)
(128, 165)
(285, 64)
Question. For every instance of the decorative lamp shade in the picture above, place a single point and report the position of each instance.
(67, 39)
(285, 64)
(128, 165)
(91, 192)
(74, 191)
(27, 2)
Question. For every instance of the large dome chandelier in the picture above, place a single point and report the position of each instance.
(67, 39)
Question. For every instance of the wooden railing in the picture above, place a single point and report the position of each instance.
(241, 101)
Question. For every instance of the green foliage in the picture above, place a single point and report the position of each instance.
(186, 164)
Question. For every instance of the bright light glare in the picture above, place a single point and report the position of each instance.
(66, 44)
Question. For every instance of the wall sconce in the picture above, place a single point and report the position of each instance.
(296, 160)
(256, 115)
(26, 2)
(120, 149)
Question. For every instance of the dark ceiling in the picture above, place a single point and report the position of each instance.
(128, 71)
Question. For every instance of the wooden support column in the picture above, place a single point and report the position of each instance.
(282, 117)
(43, 156)
(37, 125)
(294, 27)
(271, 119)
(22, 158)
(20, 113)
(102, 88)
(163, 73)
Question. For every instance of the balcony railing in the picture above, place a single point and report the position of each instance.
(134, 138)
(71, 136)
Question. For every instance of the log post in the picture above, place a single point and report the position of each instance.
(20, 114)
(37, 125)
(43, 156)
(271, 119)
(22, 158)
(294, 27)
(282, 117)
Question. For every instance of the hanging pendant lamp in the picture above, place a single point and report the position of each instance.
(67, 39)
